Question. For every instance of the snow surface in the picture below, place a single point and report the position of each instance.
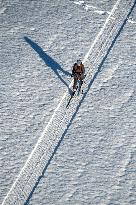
(95, 161)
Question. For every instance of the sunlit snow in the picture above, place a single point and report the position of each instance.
(84, 154)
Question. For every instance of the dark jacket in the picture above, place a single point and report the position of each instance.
(78, 69)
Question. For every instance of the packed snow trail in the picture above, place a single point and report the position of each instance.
(38, 161)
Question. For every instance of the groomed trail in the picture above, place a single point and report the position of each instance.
(38, 161)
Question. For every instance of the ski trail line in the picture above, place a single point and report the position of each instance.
(101, 31)
(26, 182)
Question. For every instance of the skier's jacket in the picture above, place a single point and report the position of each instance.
(79, 69)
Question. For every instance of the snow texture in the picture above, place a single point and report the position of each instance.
(86, 153)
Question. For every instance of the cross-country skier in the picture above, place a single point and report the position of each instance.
(78, 72)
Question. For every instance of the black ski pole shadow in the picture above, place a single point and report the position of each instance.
(77, 109)
(48, 60)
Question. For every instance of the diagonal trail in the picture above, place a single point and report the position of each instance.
(49, 141)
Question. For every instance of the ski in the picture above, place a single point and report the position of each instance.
(77, 92)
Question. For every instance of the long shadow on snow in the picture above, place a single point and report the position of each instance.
(77, 109)
(48, 60)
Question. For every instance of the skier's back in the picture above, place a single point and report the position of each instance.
(78, 72)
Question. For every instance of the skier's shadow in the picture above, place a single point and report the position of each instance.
(48, 60)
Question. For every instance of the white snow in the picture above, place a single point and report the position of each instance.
(79, 2)
(95, 160)
(2, 10)
(94, 9)
(131, 21)
(100, 12)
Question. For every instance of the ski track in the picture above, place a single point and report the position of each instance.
(96, 10)
(122, 172)
(38, 161)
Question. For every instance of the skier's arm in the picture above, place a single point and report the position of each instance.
(73, 71)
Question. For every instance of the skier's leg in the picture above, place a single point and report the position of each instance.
(75, 82)
(81, 82)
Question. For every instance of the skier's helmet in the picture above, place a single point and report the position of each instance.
(79, 62)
